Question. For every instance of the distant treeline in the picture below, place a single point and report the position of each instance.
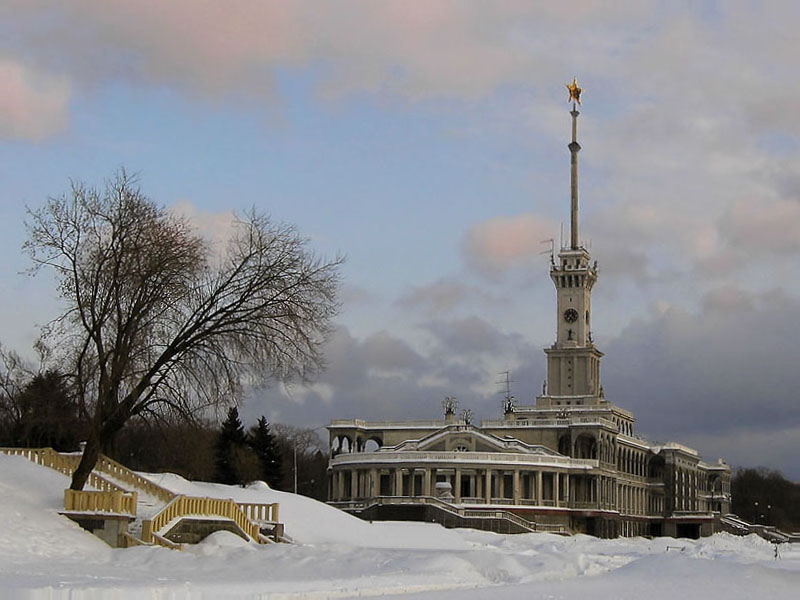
(41, 412)
(765, 496)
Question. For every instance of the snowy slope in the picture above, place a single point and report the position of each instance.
(43, 555)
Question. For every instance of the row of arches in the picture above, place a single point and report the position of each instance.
(346, 444)
(624, 427)
(627, 460)
(632, 461)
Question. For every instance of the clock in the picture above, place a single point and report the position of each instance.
(570, 315)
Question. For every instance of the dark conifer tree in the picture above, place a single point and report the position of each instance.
(231, 439)
(265, 446)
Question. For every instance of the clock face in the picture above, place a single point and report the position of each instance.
(570, 315)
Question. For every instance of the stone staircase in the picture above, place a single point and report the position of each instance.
(126, 509)
(738, 526)
(430, 509)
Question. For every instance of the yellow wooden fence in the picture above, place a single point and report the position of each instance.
(99, 501)
(63, 463)
(124, 474)
(110, 497)
(184, 506)
(260, 512)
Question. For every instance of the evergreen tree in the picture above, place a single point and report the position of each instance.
(265, 446)
(48, 414)
(230, 441)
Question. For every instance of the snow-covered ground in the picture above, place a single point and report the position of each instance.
(43, 555)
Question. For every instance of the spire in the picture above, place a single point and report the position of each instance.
(574, 148)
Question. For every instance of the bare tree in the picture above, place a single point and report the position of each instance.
(155, 323)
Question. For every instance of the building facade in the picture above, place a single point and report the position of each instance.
(572, 462)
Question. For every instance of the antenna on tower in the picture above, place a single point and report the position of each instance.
(551, 250)
(561, 239)
(509, 402)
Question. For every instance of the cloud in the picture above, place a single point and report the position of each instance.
(776, 448)
(33, 103)
(216, 227)
(414, 49)
(385, 353)
(473, 335)
(766, 226)
(438, 297)
(497, 245)
(383, 376)
(445, 295)
(354, 295)
(729, 366)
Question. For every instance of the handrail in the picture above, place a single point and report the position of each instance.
(159, 540)
(129, 541)
(260, 512)
(110, 497)
(100, 501)
(123, 473)
(416, 456)
(183, 506)
(46, 457)
(462, 512)
(63, 463)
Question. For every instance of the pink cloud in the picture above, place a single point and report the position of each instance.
(414, 48)
(33, 104)
(496, 245)
(763, 225)
(217, 228)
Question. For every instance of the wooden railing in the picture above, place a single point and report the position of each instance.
(185, 506)
(108, 502)
(63, 463)
(260, 512)
(47, 457)
(124, 474)
(129, 541)
(159, 540)
(110, 497)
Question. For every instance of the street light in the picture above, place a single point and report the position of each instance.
(295, 454)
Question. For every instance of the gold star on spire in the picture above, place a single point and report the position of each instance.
(574, 91)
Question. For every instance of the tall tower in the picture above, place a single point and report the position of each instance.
(573, 363)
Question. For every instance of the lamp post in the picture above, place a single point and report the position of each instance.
(755, 512)
(294, 448)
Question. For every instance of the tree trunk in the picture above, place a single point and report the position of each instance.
(89, 459)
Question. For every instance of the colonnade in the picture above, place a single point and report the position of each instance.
(477, 485)
(633, 500)
(685, 490)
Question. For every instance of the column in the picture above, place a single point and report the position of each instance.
(398, 482)
(556, 489)
(539, 497)
(374, 482)
(487, 490)
(353, 484)
(516, 492)
(426, 482)
(457, 491)
(340, 486)
(566, 490)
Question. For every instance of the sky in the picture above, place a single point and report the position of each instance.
(427, 143)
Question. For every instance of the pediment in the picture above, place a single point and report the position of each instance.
(469, 439)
